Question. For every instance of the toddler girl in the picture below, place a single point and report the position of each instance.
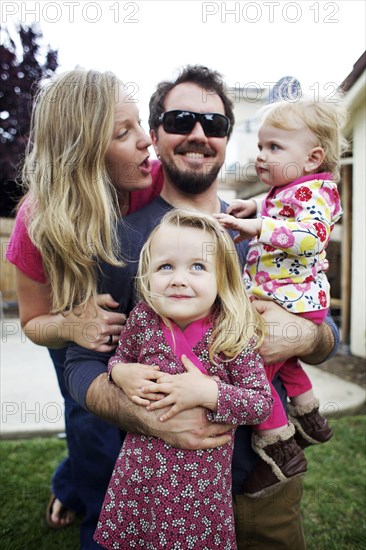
(300, 144)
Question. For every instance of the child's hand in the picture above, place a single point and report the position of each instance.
(132, 377)
(242, 209)
(184, 391)
(247, 228)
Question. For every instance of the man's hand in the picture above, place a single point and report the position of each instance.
(187, 430)
(288, 334)
(190, 429)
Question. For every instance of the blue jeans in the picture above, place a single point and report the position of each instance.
(81, 480)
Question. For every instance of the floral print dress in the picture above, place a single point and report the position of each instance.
(163, 497)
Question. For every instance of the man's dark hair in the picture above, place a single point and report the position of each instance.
(208, 80)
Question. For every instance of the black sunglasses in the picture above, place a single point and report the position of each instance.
(183, 122)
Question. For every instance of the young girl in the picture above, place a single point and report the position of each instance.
(188, 324)
(300, 144)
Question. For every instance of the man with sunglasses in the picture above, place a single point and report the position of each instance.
(191, 120)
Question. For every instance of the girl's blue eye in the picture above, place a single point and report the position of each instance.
(198, 266)
(165, 267)
(274, 147)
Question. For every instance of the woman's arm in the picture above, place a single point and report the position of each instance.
(90, 328)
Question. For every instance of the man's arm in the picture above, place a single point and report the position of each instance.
(289, 335)
(325, 343)
(87, 381)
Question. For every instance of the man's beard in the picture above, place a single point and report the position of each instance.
(192, 183)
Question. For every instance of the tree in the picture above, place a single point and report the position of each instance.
(20, 78)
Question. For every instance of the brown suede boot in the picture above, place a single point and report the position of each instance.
(311, 427)
(280, 459)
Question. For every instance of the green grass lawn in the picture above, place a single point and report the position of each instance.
(335, 490)
(333, 505)
(26, 469)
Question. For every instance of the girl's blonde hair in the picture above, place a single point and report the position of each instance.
(235, 320)
(72, 204)
(324, 119)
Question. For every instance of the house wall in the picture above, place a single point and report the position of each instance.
(238, 172)
(358, 296)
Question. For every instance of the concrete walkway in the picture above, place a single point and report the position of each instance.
(31, 403)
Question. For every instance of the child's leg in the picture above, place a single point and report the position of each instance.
(312, 428)
(277, 420)
(280, 457)
(303, 398)
(297, 383)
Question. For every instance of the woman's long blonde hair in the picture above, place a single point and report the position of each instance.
(235, 320)
(72, 205)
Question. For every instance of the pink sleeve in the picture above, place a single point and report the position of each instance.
(247, 398)
(132, 336)
(22, 252)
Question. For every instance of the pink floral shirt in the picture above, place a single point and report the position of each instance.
(287, 263)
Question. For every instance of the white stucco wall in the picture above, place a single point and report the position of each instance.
(358, 298)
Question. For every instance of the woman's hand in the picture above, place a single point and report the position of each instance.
(95, 327)
(90, 327)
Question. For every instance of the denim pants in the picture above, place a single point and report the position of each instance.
(81, 480)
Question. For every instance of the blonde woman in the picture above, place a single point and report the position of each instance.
(86, 165)
(188, 325)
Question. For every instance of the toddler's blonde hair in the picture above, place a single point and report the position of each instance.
(324, 119)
